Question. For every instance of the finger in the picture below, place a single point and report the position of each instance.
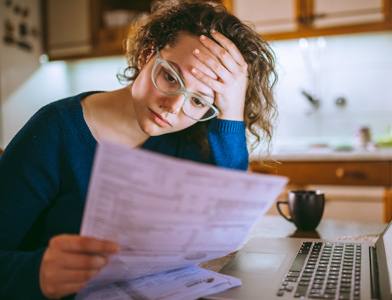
(77, 243)
(208, 81)
(206, 70)
(56, 292)
(221, 54)
(229, 46)
(83, 261)
(214, 65)
(77, 276)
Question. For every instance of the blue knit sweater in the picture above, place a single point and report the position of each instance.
(44, 175)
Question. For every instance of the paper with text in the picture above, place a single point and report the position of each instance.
(186, 283)
(166, 212)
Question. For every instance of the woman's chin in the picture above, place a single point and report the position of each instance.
(152, 129)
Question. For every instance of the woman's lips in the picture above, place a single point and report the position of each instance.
(159, 119)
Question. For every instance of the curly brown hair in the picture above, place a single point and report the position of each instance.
(169, 20)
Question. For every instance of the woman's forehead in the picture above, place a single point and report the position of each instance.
(181, 55)
(184, 48)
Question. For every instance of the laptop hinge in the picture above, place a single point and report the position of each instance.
(374, 273)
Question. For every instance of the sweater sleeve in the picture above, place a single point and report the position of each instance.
(227, 141)
(29, 180)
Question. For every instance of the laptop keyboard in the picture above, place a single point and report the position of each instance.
(324, 271)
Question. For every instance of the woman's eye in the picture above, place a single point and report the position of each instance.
(197, 102)
(170, 78)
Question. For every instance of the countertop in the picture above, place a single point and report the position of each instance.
(328, 154)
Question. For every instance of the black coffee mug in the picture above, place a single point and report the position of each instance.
(306, 208)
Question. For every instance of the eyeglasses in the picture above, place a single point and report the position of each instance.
(167, 81)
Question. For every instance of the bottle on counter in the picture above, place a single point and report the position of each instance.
(362, 140)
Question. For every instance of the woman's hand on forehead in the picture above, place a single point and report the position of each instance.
(231, 70)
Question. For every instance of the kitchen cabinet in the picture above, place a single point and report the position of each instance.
(68, 28)
(268, 16)
(327, 13)
(289, 19)
(77, 28)
(336, 173)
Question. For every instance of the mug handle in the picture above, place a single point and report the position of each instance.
(277, 206)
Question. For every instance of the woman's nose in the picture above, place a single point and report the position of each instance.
(173, 103)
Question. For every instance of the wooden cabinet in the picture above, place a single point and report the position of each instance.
(289, 19)
(327, 13)
(76, 28)
(337, 173)
(268, 16)
(68, 28)
(373, 173)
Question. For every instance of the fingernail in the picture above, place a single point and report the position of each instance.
(115, 248)
(202, 37)
(197, 51)
(213, 31)
(193, 71)
(105, 262)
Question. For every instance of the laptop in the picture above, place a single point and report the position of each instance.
(294, 268)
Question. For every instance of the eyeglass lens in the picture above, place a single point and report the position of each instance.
(168, 82)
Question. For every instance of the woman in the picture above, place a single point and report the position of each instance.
(199, 79)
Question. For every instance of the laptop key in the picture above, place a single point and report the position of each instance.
(318, 281)
(317, 286)
(301, 291)
(316, 296)
(344, 296)
(290, 279)
(298, 262)
(308, 270)
(280, 293)
(334, 272)
(324, 261)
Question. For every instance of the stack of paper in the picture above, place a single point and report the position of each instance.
(186, 283)
(166, 214)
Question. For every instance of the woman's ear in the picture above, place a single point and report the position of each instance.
(145, 56)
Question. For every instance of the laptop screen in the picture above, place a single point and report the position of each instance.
(387, 239)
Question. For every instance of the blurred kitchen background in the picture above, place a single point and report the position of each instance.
(334, 91)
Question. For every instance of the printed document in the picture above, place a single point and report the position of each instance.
(186, 283)
(167, 213)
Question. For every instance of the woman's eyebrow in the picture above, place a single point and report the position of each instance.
(179, 71)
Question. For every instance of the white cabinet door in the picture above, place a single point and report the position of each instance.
(329, 13)
(267, 15)
(68, 27)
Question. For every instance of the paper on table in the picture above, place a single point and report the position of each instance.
(167, 212)
(186, 283)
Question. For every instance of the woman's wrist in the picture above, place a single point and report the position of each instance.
(235, 116)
